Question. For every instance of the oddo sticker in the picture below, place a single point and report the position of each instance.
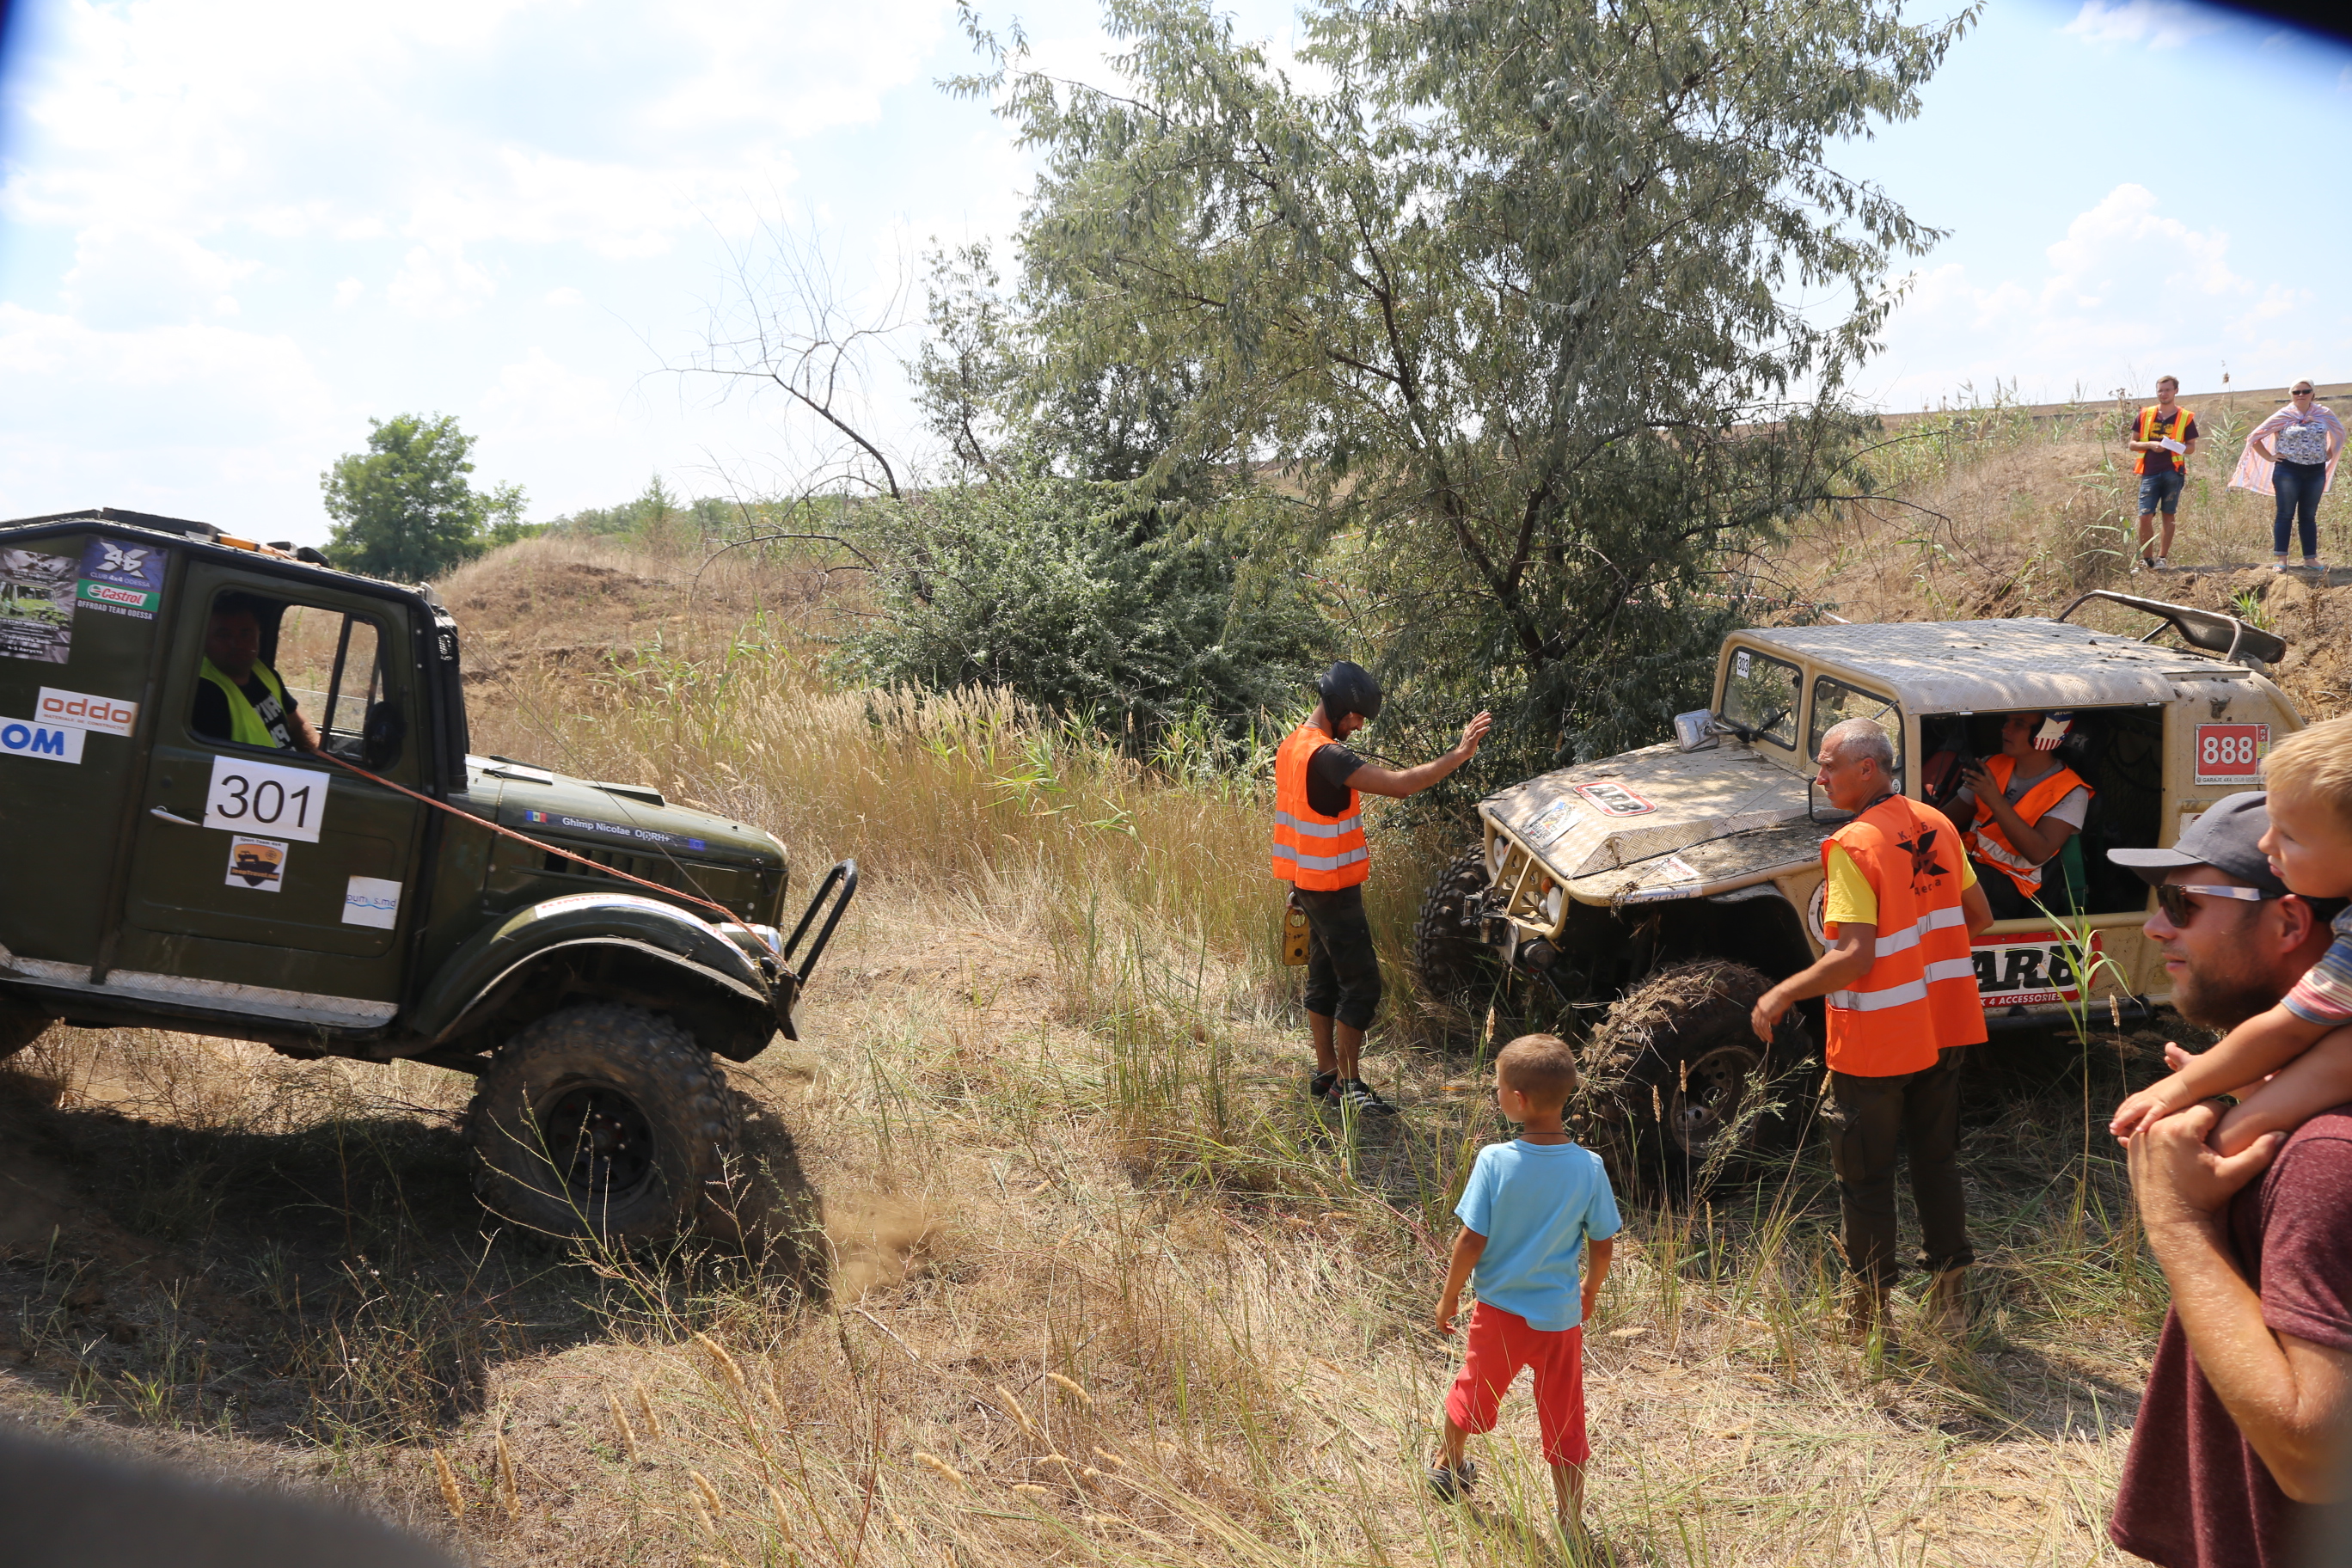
(122, 578)
(256, 863)
(247, 797)
(372, 901)
(80, 710)
(36, 596)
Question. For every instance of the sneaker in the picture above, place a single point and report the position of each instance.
(1360, 1097)
(1320, 1084)
(2138, 562)
(2164, 563)
(1452, 1483)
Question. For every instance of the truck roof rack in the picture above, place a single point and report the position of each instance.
(2207, 629)
(187, 527)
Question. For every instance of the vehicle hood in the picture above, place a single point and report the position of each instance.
(625, 819)
(1604, 825)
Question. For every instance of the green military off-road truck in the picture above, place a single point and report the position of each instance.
(356, 902)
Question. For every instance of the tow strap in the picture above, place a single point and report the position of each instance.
(466, 816)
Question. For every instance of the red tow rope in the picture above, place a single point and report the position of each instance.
(720, 909)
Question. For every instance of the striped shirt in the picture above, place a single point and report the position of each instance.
(2324, 995)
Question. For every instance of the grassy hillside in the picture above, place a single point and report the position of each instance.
(1069, 1269)
(2007, 511)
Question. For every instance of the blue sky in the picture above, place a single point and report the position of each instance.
(231, 232)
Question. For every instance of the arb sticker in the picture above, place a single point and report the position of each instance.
(2231, 753)
(262, 797)
(259, 863)
(2025, 968)
(80, 711)
(54, 742)
(1615, 799)
(372, 901)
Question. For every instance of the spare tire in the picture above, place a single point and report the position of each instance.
(1676, 1085)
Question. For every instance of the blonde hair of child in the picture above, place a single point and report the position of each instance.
(1541, 1067)
(2316, 763)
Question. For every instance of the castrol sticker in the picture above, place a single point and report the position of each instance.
(2231, 753)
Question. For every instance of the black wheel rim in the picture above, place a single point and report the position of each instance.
(1709, 1103)
(601, 1143)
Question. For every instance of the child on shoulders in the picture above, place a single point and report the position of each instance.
(2304, 1039)
(1531, 1209)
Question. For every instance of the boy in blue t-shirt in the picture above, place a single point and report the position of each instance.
(1531, 1207)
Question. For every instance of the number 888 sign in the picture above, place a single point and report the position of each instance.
(2231, 753)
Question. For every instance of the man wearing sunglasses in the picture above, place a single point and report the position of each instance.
(2234, 1441)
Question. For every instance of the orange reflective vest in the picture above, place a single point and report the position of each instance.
(1311, 850)
(2152, 424)
(1919, 993)
(1989, 844)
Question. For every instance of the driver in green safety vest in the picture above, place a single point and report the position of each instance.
(239, 698)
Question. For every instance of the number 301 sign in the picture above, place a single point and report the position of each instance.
(259, 798)
(2231, 753)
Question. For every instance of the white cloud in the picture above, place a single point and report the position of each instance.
(436, 281)
(2159, 23)
(2128, 291)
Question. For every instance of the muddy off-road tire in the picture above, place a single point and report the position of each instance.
(1676, 1083)
(1459, 973)
(601, 1120)
(19, 1026)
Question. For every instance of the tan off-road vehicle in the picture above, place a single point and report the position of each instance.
(1657, 893)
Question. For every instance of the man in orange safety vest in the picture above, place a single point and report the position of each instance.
(1899, 905)
(1320, 849)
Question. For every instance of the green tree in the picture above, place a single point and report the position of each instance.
(1517, 294)
(1077, 597)
(404, 509)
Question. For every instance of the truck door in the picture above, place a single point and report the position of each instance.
(265, 876)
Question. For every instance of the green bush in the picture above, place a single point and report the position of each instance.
(1077, 597)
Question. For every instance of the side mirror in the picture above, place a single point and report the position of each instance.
(1696, 731)
(383, 734)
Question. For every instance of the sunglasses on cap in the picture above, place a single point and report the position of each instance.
(2172, 897)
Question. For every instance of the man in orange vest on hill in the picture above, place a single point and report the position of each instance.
(1320, 849)
(1899, 908)
(2018, 810)
(2163, 434)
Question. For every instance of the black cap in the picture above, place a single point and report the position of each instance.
(1349, 689)
(2227, 837)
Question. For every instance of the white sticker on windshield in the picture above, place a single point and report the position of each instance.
(372, 901)
(1740, 664)
(261, 797)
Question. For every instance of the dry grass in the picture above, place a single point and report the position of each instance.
(1081, 1275)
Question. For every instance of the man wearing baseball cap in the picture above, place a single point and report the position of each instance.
(1320, 850)
(2236, 1437)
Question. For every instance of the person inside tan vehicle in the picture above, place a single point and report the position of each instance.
(2017, 810)
(239, 698)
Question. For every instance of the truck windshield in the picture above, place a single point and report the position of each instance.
(1834, 702)
(1760, 699)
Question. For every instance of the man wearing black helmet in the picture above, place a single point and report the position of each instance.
(1320, 849)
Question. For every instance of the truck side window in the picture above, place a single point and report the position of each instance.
(276, 672)
(1834, 702)
(1760, 696)
(333, 662)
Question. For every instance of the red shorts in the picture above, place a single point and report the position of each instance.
(1500, 1343)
